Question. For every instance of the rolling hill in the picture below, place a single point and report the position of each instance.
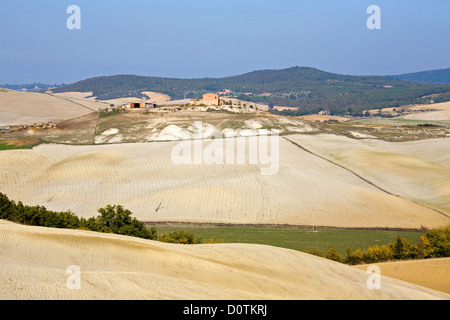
(308, 89)
(34, 261)
(21, 108)
(306, 190)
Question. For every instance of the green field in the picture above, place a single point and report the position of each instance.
(5, 146)
(300, 239)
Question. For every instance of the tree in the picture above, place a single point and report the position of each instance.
(116, 219)
(7, 207)
(436, 243)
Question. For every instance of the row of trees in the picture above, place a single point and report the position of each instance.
(433, 244)
(111, 219)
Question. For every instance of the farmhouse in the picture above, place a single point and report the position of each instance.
(209, 99)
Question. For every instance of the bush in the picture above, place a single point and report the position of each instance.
(315, 251)
(435, 243)
(354, 257)
(180, 237)
(333, 254)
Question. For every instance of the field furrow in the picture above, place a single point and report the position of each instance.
(142, 177)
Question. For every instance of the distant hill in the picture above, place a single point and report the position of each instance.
(33, 87)
(430, 76)
(308, 89)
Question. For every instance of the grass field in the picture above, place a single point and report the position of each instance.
(300, 239)
(9, 146)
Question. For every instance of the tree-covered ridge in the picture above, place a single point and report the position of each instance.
(308, 89)
(430, 76)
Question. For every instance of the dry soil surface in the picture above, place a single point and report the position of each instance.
(430, 273)
(290, 186)
(22, 108)
(415, 170)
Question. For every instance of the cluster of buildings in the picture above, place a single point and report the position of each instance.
(209, 99)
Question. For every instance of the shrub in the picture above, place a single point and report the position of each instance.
(180, 237)
(435, 243)
(315, 251)
(333, 254)
(354, 257)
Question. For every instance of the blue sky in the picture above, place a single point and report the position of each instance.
(217, 38)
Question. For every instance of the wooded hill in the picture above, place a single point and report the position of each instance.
(430, 76)
(308, 89)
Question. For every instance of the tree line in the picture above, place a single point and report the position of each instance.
(434, 243)
(111, 219)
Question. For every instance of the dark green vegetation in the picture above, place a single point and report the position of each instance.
(308, 89)
(111, 219)
(429, 76)
(180, 237)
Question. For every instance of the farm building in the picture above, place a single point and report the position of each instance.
(209, 99)
(141, 105)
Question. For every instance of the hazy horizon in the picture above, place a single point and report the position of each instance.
(187, 78)
(204, 39)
